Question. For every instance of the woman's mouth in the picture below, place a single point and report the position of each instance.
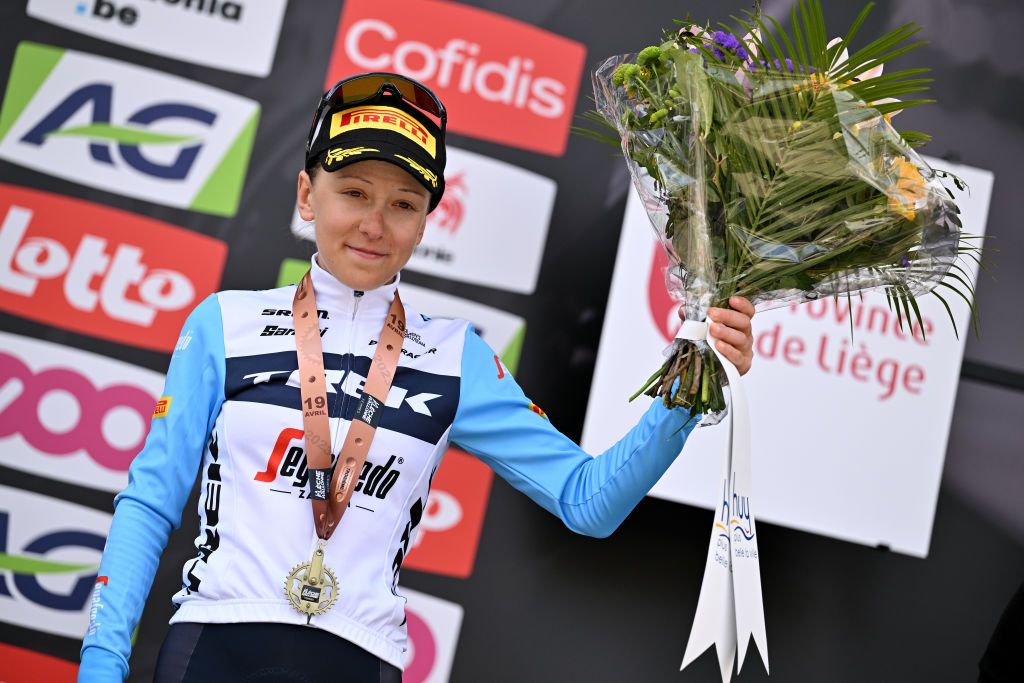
(366, 253)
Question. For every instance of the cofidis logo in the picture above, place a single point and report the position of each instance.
(500, 79)
(126, 129)
(49, 553)
(72, 415)
(100, 271)
(236, 35)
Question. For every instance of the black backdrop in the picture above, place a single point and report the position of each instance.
(543, 604)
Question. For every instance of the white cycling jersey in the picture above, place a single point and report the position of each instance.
(231, 412)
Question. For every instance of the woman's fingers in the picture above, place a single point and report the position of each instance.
(729, 335)
(738, 358)
(743, 305)
(734, 319)
(731, 332)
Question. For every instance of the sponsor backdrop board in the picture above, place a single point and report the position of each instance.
(99, 271)
(21, 665)
(49, 550)
(121, 128)
(72, 415)
(501, 80)
(433, 626)
(853, 446)
(237, 36)
(142, 168)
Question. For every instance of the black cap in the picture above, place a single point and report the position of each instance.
(385, 127)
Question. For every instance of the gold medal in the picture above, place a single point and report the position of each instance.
(312, 588)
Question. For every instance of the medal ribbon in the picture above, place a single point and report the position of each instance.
(330, 495)
(730, 609)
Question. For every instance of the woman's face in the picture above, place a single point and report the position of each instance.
(369, 216)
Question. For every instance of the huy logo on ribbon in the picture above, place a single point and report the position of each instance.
(99, 271)
(125, 129)
(501, 80)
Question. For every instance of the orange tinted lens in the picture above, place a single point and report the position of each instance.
(368, 86)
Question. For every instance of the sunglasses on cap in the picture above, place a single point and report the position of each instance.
(363, 87)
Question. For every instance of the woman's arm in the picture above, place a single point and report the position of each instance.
(159, 481)
(593, 495)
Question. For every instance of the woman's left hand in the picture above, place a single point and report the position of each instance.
(732, 332)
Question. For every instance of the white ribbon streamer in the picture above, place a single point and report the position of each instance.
(730, 608)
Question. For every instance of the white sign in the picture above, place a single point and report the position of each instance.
(504, 332)
(433, 626)
(125, 129)
(235, 35)
(849, 435)
(49, 553)
(72, 415)
(490, 227)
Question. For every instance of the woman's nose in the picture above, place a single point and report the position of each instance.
(372, 224)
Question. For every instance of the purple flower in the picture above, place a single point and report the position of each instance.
(742, 54)
(718, 53)
(904, 261)
(726, 40)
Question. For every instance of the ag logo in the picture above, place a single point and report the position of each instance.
(48, 568)
(133, 131)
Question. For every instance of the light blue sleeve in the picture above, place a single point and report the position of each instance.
(159, 482)
(496, 422)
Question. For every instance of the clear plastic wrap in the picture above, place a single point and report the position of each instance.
(772, 181)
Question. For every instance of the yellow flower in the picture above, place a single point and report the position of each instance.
(908, 190)
(816, 82)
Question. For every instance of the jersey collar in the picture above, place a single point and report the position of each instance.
(333, 295)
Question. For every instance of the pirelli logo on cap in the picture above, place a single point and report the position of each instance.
(384, 118)
(162, 406)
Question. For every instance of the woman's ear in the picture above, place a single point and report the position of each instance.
(304, 197)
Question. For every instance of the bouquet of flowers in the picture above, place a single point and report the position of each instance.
(770, 169)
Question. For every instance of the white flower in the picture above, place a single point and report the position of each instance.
(839, 63)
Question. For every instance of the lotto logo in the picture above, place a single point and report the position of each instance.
(449, 531)
(125, 129)
(500, 79)
(100, 271)
(72, 415)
